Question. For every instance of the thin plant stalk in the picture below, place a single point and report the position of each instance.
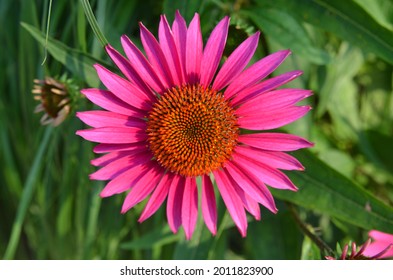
(28, 191)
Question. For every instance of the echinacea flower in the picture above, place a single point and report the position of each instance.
(54, 100)
(369, 250)
(381, 242)
(175, 118)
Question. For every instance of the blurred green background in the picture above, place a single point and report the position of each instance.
(49, 209)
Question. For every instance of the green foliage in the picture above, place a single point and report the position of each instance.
(49, 209)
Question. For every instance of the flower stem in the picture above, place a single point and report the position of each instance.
(93, 22)
(316, 239)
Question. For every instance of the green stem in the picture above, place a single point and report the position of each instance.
(318, 241)
(27, 194)
(93, 22)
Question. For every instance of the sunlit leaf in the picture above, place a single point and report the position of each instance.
(326, 191)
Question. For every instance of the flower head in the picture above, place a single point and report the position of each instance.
(54, 100)
(177, 116)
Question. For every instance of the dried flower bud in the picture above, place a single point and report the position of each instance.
(55, 100)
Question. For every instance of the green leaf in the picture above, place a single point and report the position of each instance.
(288, 32)
(346, 19)
(280, 230)
(326, 191)
(80, 64)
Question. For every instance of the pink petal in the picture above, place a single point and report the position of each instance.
(236, 62)
(213, 51)
(108, 158)
(118, 166)
(275, 141)
(256, 72)
(273, 100)
(179, 29)
(249, 203)
(123, 89)
(381, 236)
(104, 118)
(126, 180)
(265, 86)
(174, 202)
(157, 198)
(209, 208)
(272, 158)
(259, 192)
(169, 49)
(375, 248)
(142, 66)
(113, 135)
(189, 212)
(143, 187)
(272, 119)
(194, 50)
(128, 70)
(232, 201)
(267, 174)
(106, 148)
(155, 55)
(109, 101)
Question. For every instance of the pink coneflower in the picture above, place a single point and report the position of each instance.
(381, 248)
(174, 119)
(382, 242)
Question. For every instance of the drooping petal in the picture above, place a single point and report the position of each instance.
(104, 118)
(189, 211)
(273, 100)
(209, 208)
(126, 180)
(179, 29)
(142, 66)
(274, 141)
(213, 51)
(107, 100)
(123, 89)
(194, 49)
(143, 187)
(272, 119)
(113, 135)
(274, 159)
(256, 72)
(118, 166)
(264, 86)
(170, 51)
(128, 70)
(232, 201)
(174, 202)
(236, 62)
(249, 203)
(155, 55)
(269, 175)
(157, 198)
(260, 193)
